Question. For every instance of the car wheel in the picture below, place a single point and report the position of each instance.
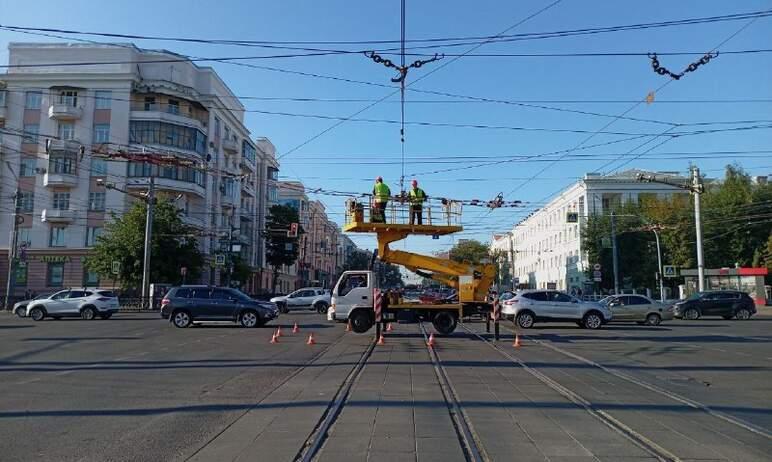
(743, 314)
(283, 308)
(361, 321)
(249, 319)
(37, 314)
(525, 320)
(181, 319)
(21, 311)
(692, 314)
(444, 322)
(653, 319)
(88, 313)
(321, 307)
(592, 320)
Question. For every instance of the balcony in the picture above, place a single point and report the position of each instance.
(227, 201)
(193, 221)
(68, 146)
(165, 113)
(230, 146)
(247, 188)
(247, 166)
(60, 180)
(60, 111)
(167, 184)
(58, 215)
(247, 215)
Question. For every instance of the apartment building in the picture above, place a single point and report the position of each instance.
(544, 250)
(63, 125)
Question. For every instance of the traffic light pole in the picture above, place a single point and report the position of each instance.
(13, 241)
(148, 244)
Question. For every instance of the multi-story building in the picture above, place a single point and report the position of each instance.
(72, 122)
(545, 249)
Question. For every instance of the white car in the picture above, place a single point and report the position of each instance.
(84, 303)
(20, 308)
(527, 307)
(312, 298)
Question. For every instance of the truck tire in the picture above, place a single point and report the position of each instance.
(361, 321)
(444, 322)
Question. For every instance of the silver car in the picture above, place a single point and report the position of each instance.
(638, 308)
(20, 308)
(529, 306)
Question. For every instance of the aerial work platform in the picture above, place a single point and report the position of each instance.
(437, 220)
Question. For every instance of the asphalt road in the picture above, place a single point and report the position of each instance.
(135, 388)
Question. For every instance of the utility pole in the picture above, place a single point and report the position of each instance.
(659, 267)
(614, 252)
(13, 241)
(148, 247)
(697, 191)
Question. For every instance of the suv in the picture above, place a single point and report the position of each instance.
(313, 298)
(86, 303)
(725, 303)
(529, 306)
(187, 304)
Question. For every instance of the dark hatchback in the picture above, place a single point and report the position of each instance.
(187, 304)
(725, 303)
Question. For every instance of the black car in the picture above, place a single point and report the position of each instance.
(187, 304)
(725, 303)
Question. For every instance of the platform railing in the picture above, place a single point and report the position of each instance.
(437, 212)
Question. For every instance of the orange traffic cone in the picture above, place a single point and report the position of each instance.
(348, 326)
(278, 331)
(389, 328)
(274, 339)
(381, 341)
(516, 343)
(430, 343)
(311, 340)
(295, 329)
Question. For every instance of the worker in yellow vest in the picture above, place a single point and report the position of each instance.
(417, 197)
(381, 195)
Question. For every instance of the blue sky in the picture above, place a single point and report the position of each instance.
(344, 158)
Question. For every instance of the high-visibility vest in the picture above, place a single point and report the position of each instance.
(417, 196)
(381, 192)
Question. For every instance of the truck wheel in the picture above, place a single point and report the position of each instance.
(321, 307)
(361, 321)
(444, 322)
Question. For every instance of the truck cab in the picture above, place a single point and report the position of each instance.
(352, 299)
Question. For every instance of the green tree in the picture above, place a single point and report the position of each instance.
(281, 249)
(358, 260)
(470, 251)
(240, 270)
(173, 246)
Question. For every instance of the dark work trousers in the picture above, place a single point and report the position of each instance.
(380, 212)
(416, 214)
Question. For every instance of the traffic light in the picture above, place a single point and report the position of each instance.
(293, 231)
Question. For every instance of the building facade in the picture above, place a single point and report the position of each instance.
(544, 250)
(70, 129)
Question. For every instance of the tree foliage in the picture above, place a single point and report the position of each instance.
(173, 246)
(389, 275)
(470, 251)
(280, 249)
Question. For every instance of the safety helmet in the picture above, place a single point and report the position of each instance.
(380, 178)
(414, 182)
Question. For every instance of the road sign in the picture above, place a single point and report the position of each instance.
(183, 270)
(115, 268)
(596, 267)
(669, 271)
(552, 285)
(572, 217)
(219, 259)
(597, 276)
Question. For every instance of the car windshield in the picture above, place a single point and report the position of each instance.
(43, 296)
(605, 300)
(240, 295)
(695, 296)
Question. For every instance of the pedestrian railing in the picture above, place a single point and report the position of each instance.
(437, 212)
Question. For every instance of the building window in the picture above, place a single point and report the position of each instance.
(27, 202)
(90, 278)
(68, 98)
(102, 133)
(173, 107)
(151, 132)
(2, 98)
(66, 131)
(273, 174)
(92, 233)
(103, 99)
(24, 237)
(98, 166)
(150, 103)
(58, 237)
(250, 152)
(33, 100)
(61, 200)
(216, 127)
(61, 164)
(21, 276)
(96, 201)
(27, 166)
(31, 133)
(55, 275)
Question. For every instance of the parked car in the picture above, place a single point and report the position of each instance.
(185, 305)
(725, 303)
(527, 307)
(20, 308)
(312, 298)
(84, 303)
(638, 308)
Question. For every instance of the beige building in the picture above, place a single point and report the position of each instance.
(144, 101)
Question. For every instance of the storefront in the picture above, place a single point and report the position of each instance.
(748, 280)
(49, 271)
